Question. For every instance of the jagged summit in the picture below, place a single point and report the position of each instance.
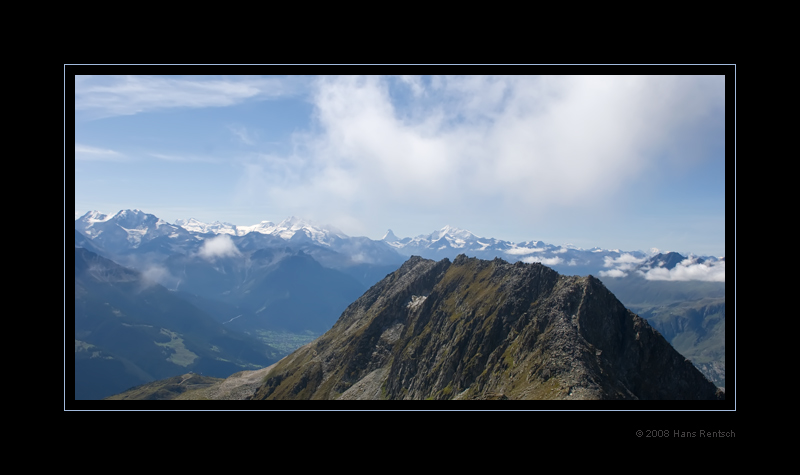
(389, 236)
(478, 329)
(94, 216)
(453, 233)
(667, 260)
(286, 229)
(292, 221)
(130, 212)
(127, 229)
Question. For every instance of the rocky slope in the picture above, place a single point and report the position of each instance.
(195, 387)
(476, 329)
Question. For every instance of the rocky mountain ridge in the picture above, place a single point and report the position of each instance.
(477, 329)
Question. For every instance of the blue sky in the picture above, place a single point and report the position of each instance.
(618, 162)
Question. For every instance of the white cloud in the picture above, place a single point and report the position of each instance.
(415, 83)
(481, 143)
(182, 158)
(688, 269)
(613, 273)
(361, 258)
(157, 274)
(548, 261)
(104, 96)
(219, 246)
(244, 136)
(521, 251)
(85, 152)
(625, 262)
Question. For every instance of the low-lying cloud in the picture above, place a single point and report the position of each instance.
(219, 246)
(156, 274)
(688, 269)
(624, 262)
(621, 265)
(521, 251)
(612, 273)
(548, 261)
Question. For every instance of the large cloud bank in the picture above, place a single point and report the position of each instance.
(484, 143)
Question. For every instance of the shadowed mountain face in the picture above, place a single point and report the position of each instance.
(475, 329)
(129, 330)
(269, 289)
(689, 314)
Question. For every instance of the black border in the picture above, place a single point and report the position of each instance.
(622, 418)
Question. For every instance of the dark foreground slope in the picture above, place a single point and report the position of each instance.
(129, 331)
(475, 329)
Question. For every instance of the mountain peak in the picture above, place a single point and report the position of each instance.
(94, 217)
(666, 260)
(130, 212)
(389, 237)
(457, 234)
(292, 221)
(521, 331)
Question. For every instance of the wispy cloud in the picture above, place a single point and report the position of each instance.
(105, 96)
(242, 134)
(182, 158)
(85, 152)
(157, 274)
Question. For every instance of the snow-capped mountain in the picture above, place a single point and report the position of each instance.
(216, 227)
(452, 238)
(129, 235)
(450, 241)
(295, 228)
(135, 230)
(290, 228)
(327, 244)
(128, 229)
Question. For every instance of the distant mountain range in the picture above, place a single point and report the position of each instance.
(298, 277)
(134, 229)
